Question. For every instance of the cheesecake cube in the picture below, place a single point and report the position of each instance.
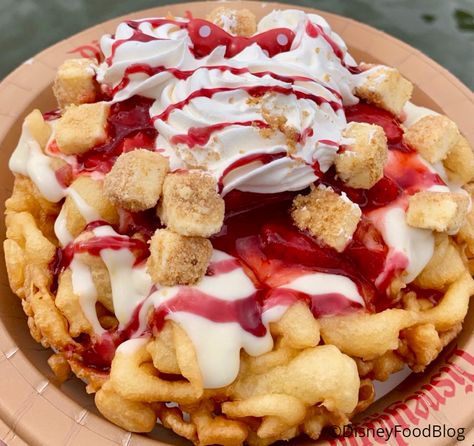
(433, 137)
(328, 216)
(82, 127)
(239, 22)
(190, 204)
(459, 161)
(39, 129)
(438, 211)
(361, 164)
(136, 179)
(176, 259)
(386, 88)
(75, 82)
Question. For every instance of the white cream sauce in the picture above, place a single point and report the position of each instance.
(29, 160)
(322, 283)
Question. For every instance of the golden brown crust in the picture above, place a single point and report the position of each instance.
(90, 192)
(444, 268)
(424, 345)
(27, 198)
(60, 367)
(133, 416)
(69, 305)
(466, 233)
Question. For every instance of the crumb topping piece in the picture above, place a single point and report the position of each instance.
(82, 127)
(460, 161)
(75, 82)
(176, 259)
(190, 204)
(362, 164)
(385, 87)
(330, 217)
(39, 129)
(278, 122)
(136, 180)
(433, 137)
(439, 211)
(240, 22)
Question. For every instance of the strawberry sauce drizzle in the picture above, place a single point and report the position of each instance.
(247, 312)
(222, 267)
(320, 304)
(98, 353)
(140, 36)
(257, 91)
(95, 245)
(314, 31)
(143, 68)
(199, 136)
(263, 158)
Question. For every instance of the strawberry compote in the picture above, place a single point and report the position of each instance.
(258, 231)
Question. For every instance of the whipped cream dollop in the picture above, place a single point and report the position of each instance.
(257, 122)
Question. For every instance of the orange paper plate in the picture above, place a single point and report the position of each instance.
(34, 411)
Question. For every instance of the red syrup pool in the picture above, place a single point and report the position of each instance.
(98, 353)
(258, 229)
(129, 127)
(273, 251)
(404, 173)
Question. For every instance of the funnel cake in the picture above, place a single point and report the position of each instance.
(233, 229)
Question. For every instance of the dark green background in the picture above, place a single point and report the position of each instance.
(443, 29)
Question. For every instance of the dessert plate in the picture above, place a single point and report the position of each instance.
(34, 411)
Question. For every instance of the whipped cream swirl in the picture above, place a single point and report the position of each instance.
(258, 123)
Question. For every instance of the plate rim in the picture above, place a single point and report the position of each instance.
(46, 66)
